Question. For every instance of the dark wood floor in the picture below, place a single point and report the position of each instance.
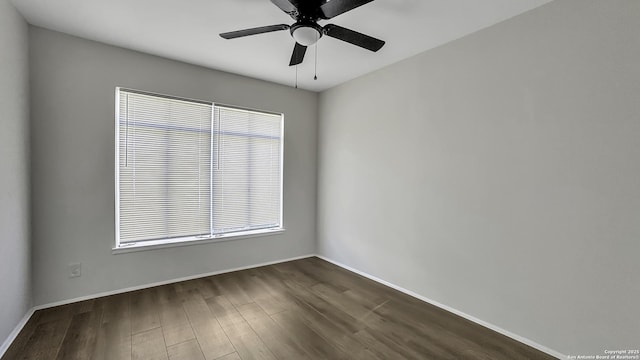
(305, 309)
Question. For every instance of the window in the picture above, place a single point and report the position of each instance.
(190, 170)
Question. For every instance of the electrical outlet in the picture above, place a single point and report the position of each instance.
(75, 270)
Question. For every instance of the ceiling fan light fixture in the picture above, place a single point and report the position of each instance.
(306, 35)
(306, 31)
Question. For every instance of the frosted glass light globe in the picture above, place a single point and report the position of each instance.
(306, 35)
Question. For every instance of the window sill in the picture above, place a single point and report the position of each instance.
(161, 244)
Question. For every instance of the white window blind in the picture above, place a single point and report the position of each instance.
(246, 170)
(164, 167)
(184, 174)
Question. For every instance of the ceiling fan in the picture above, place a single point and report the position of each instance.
(306, 30)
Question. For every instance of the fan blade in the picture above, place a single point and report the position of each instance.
(298, 54)
(353, 37)
(254, 31)
(290, 7)
(336, 7)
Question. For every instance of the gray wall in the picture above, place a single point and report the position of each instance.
(15, 280)
(499, 175)
(72, 145)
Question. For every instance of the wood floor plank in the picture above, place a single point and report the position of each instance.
(273, 303)
(335, 335)
(393, 339)
(144, 311)
(250, 311)
(310, 341)
(44, 342)
(212, 339)
(185, 286)
(281, 344)
(55, 313)
(149, 345)
(354, 282)
(248, 345)
(169, 294)
(116, 309)
(65, 311)
(113, 340)
(381, 350)
(188, 350)
(274, 296)
(354, 308)
(224, 311)
(402, 334)
(342, 278)
(306, 299)
(318, 275)
(175, 324)
(80, 339)
(112, 343)
(290, 272)
(232, 356)
(230, 285)
(179, 332)
(209, 288)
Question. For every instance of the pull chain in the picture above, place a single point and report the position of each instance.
(315, 75)
(296, 76)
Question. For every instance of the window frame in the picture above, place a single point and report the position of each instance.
(123, 247)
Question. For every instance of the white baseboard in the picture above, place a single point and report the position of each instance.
(160, 283)
(495, 328)
(12, 336)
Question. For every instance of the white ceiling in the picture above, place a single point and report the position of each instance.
(187, 30)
